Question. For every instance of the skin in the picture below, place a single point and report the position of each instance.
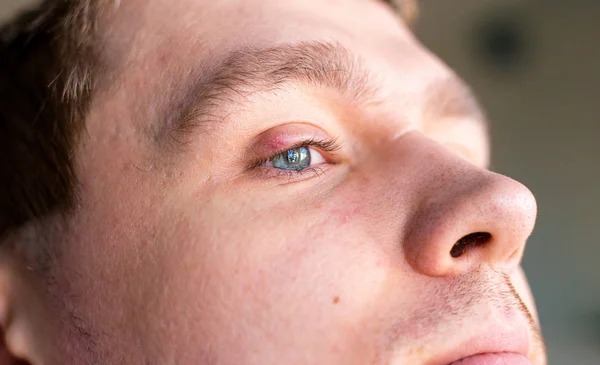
(180, 253)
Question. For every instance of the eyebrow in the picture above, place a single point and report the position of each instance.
(322, 64)
(253, 70)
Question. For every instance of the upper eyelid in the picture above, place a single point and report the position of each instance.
(279, 137)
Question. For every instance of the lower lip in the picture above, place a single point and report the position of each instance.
(494, 359)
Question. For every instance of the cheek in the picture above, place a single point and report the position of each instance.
(258, 269)
(234, 270)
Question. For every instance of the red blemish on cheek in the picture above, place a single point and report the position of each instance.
(336, 300)
(346, 214)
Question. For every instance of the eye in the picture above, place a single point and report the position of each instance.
(305, 156)
(296, 159)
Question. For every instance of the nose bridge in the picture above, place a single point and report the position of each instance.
(454, 203)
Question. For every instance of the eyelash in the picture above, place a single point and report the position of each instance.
(328, 146)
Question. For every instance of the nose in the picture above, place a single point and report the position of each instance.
(463, 216)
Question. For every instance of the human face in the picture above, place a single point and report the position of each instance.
(288, 182)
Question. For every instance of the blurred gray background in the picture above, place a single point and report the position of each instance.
(535, 66)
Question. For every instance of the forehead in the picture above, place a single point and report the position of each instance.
(152, 46)
(200, 30)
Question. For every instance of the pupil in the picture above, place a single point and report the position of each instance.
(293, 156)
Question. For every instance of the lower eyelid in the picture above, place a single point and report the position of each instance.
(290, 176)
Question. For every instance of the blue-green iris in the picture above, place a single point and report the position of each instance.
(295, 159)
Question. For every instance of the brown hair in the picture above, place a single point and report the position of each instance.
(47, 65)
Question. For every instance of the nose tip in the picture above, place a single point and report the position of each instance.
(470, 220)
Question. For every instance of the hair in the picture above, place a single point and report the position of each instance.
(47, 74)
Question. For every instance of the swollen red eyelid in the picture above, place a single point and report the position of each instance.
(277, 143)
(284, 137)
(270, 145)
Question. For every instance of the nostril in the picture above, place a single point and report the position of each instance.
(468, 241)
